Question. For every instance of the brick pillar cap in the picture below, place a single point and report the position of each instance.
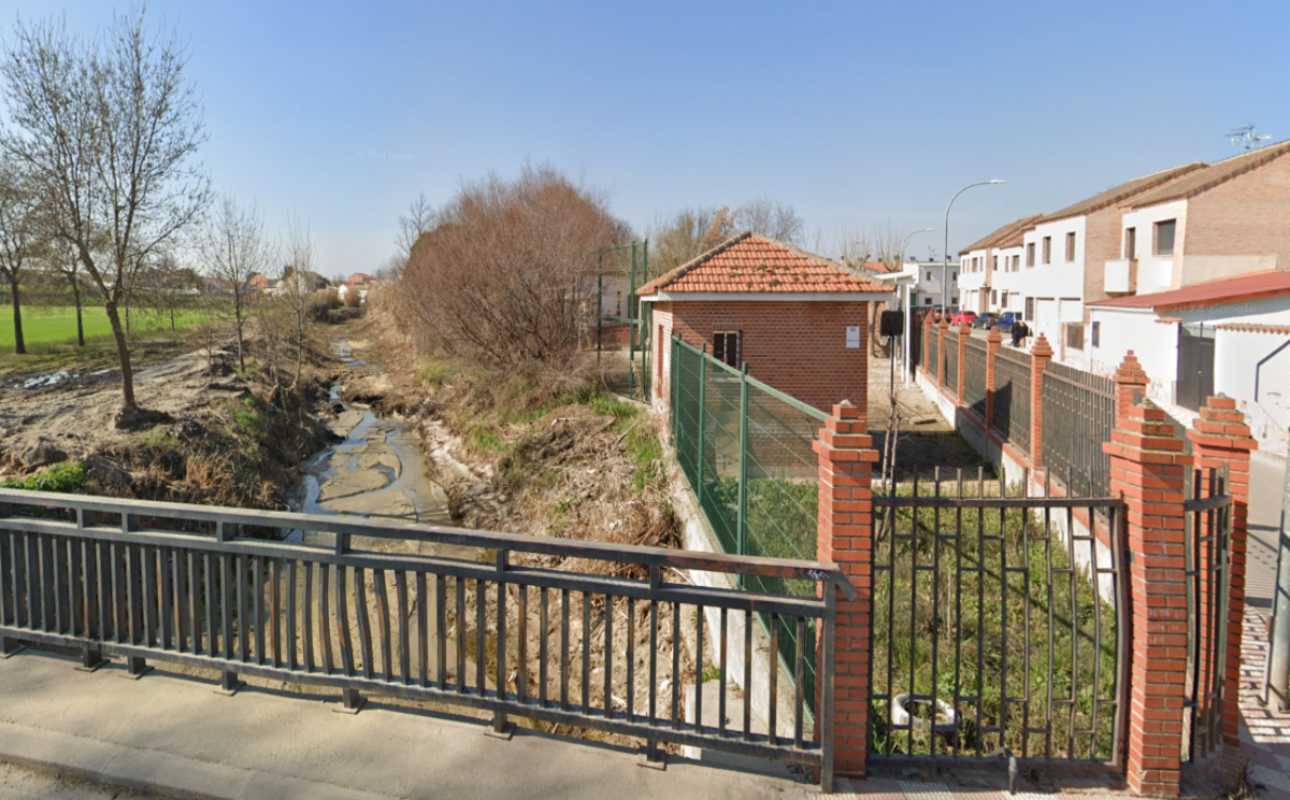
(1130, 371)
(846, 410)
(1042, 348)
(994, 335)
(1220, 425)
(945, 322)
(965, 328)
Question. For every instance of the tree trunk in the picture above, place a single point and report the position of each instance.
(19, 346)
(172, 319)
(123, 355)
(80, 323)
(237, 323)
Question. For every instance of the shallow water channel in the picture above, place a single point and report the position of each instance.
(378, 472)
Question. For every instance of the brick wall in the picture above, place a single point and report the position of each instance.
(1102, 232)
(797, 347)
(1244, 216)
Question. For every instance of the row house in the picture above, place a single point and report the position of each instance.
(1200, 289)
(997, 252)
(1058, 264)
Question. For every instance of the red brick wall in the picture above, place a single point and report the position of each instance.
(797, 347)
(1244, 216)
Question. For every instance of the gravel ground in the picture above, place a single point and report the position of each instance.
(29, 784)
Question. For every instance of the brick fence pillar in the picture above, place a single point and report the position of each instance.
(1040, 354)
(1148, 469)
(1130, 383)
(942, 328)
(1220, 438)
(993, 341)
(965, 333)
(845, 537)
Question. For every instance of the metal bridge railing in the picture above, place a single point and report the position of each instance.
(460, 618)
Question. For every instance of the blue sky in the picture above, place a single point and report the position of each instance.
(858, 114)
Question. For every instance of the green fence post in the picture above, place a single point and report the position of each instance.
(631, 327)
(742, 527)
(703, 383)
(675, 375)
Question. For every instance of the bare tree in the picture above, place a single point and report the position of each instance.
(108, 131)
(233, 248)
(61, 256)
(418, 220)
(19, 239)
(774, 220)
(690, 232)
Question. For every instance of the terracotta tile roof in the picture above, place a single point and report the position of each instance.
(1121, 192)
(1220, 172)
(1212, 293)
(749, 263)
(1006, 236)
(1254, 327)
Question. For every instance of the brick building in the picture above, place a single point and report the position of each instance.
(799, 321)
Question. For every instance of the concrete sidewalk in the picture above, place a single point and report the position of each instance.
(173, 734)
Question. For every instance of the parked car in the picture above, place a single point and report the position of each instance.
(1006, 320)
(985, 320)
(963, 318)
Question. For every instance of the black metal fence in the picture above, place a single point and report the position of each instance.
(1207, 558)
(998, 628)
(974, 368)
(933, 351)
(415, 611)
(952, 360)
(1079, 415)
(1012, 397)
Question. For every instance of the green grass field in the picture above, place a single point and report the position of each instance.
(53, 325)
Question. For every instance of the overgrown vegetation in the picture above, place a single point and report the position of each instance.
(68, 476)
(996, 601)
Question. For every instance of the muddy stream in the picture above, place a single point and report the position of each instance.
(378, 472)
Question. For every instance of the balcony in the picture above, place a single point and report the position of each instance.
(1118, 277)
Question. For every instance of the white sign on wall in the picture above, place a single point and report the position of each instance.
(853, 337)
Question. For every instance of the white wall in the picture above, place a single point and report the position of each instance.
(1155, 273)
(1153, 342)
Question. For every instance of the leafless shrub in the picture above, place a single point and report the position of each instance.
(503, 276)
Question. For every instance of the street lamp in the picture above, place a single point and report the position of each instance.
(945, 268)
(905, 244)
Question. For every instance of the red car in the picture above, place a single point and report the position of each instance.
(963, 318)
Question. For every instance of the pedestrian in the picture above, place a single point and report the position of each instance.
(1019, 333)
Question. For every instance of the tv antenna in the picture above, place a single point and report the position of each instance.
(1246, 137)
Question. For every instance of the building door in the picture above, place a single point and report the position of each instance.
(1195, 365)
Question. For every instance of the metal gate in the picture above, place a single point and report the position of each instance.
(1000, 624)
(1195, 365)
(1208, 553)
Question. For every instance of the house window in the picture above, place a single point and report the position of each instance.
(1131, 243)
(927, 301)
(618, 305)
(1030, 254)
(994, 296)
(1070, 246)
(1048, 249)
(1164, 244)
(1016, 263)
(929, 277)
(995, 264)
(1075, 335)
(1097, 334)
(1030, 309)
(725, 347)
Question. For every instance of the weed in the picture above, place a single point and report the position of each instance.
(68, 476)
(433, 373)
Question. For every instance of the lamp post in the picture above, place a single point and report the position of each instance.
(945, 268)
(905, 244)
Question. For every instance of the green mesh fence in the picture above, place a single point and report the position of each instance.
(746, 449)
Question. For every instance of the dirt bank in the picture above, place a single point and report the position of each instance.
(548, 455)
(220, 437)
